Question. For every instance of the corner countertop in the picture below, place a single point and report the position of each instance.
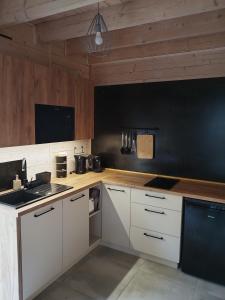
(203, 190)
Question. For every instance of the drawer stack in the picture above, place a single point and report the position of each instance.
(156, 224)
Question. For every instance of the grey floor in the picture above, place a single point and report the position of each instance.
(110, 274)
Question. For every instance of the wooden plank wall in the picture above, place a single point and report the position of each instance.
(204, 64)
(24, 45)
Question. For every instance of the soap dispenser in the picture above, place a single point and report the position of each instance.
(17, 183)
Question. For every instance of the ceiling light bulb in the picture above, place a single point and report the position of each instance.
(98, 38)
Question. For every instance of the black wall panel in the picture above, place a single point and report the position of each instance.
(190, 116)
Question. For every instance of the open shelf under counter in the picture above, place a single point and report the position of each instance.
(94, 239)
(94, 213)
(95, 220)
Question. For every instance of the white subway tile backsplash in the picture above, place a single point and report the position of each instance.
(42, 157)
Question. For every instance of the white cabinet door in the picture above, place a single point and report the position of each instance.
(41, 238)
(116, 215)
(75, 228)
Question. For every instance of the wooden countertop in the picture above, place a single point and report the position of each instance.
(203, 190)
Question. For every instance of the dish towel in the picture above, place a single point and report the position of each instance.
(145, 146)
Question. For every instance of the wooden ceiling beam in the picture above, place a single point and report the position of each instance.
(184, 45)
(199, 24)
(132, 13)
(14, 12)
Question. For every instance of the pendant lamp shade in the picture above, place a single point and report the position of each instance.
(97, 35)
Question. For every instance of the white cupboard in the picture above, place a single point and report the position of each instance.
(156, 224)
(75, 228)
(41, 242)
(116, 215)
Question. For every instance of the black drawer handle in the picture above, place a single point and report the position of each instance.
(153, 236)
(47, 211)
(122, 191)
(72, 200)
(157, 197)
(155, 212)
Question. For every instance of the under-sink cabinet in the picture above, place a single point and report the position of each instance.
(41, 242)
(53, 238)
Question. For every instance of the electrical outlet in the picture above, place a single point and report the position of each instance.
(79, 149)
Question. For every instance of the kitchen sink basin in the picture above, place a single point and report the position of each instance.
(21, 198)
(18, 198)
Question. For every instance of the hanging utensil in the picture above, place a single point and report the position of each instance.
(133, 147)
(129, 142)
(122, 149)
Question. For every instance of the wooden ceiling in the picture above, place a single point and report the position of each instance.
(142, 33)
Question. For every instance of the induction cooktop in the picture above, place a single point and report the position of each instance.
(162, 183)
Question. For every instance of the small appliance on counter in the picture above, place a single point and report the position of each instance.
(95, 163)
(80, 164)
(61, 165)
(44, 177)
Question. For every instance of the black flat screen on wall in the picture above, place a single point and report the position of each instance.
(53, 123)
(190, 116)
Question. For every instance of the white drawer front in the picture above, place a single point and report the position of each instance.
(156, 244)
(156, 219)
(156, 199)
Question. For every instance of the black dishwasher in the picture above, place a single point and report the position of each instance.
(203, 242)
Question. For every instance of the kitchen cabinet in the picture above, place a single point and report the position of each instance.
(24, 84)
(75, 228)
(41, 247)
(84, 109)
(116, 215)
(156, 224)
(42, 84)
(62, 86)
(16, 105)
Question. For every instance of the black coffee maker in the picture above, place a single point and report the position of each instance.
(80, 164)
(95, 163)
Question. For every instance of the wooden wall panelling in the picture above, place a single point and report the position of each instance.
(41, 56)
(183, 45)
(17, 103)
(2, 114)
(181, 66)
(84, 109)
(24, 45)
